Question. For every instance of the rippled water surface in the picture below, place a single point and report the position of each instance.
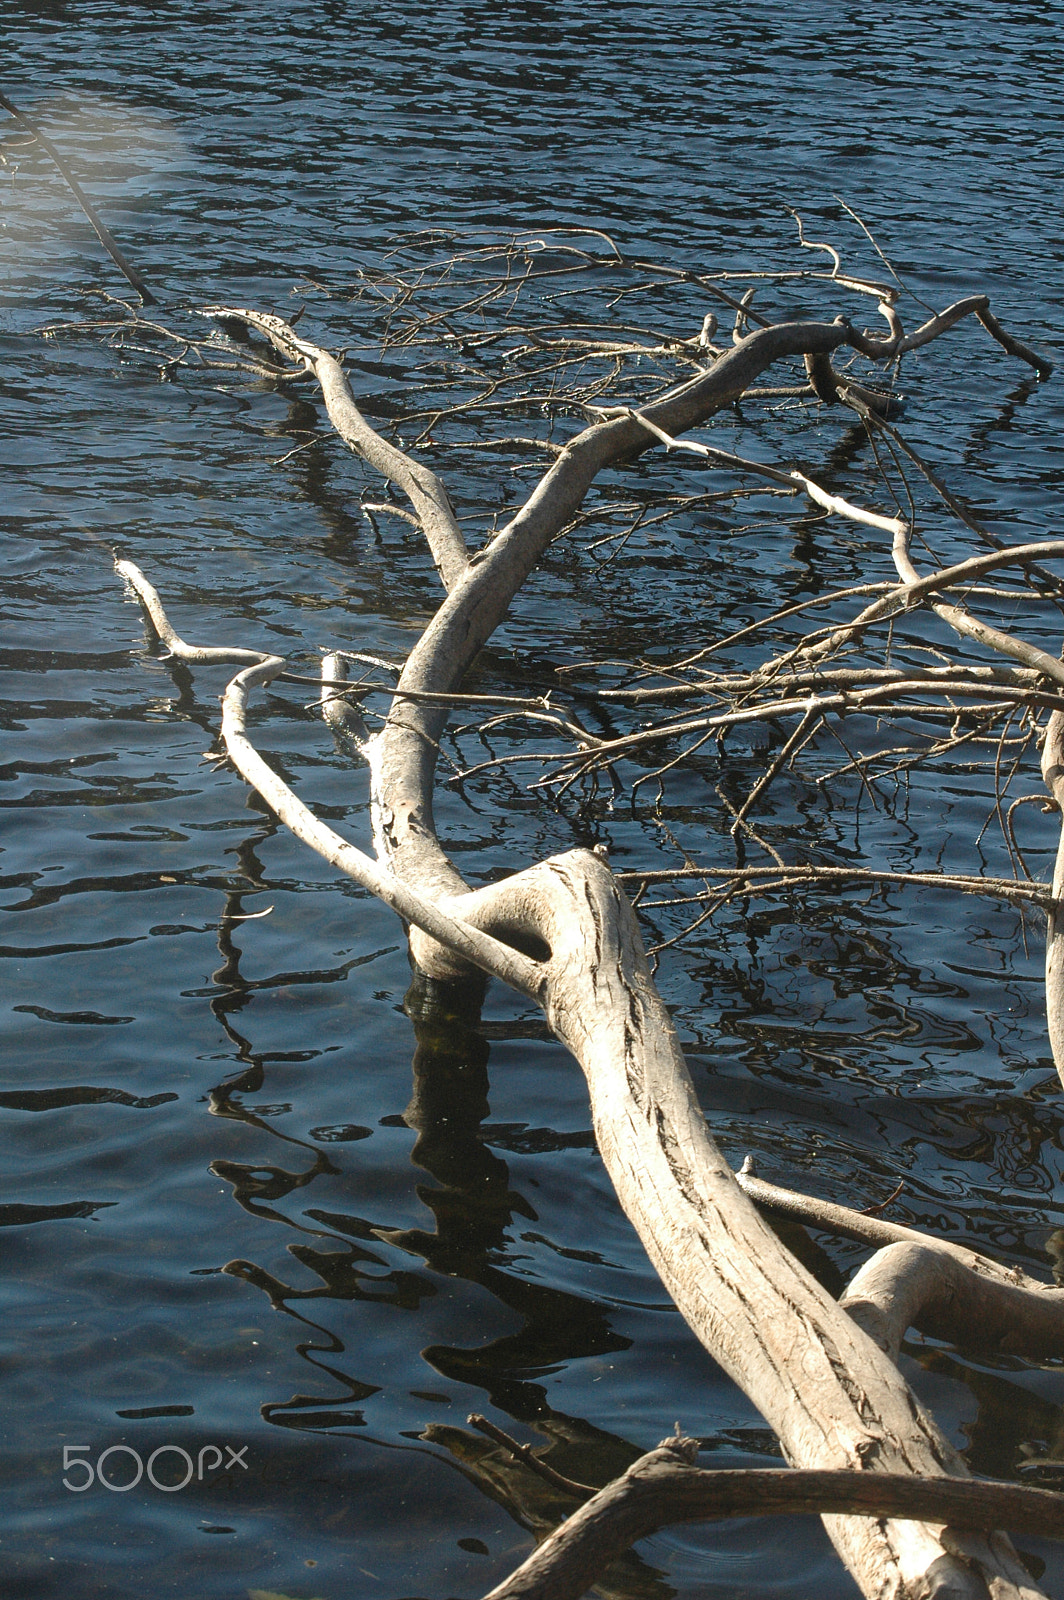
(229, 1218)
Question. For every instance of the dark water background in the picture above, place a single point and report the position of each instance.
(406, 1260)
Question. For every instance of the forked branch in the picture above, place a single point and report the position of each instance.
(563, 933)
(665, 1487)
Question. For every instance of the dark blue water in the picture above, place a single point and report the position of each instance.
(184, 1093)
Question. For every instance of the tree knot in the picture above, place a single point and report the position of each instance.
(683, 1448)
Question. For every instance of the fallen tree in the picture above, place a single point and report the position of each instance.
(562, 931)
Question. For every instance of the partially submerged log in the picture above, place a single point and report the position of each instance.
(562, 933)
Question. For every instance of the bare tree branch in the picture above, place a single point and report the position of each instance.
(664, 1487)
(562, 932)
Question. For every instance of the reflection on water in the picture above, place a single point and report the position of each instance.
(473, 1205)
(471, 1202)
(226, 1216)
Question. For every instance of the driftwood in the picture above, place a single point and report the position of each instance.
(664, 1486)
(563, 933)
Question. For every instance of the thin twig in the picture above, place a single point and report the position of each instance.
(103, 233)
(525, 1453)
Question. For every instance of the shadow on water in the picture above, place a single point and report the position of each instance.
(473, 1204)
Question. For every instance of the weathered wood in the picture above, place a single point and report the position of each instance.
(422, 487)
(910, 1285)
(835, 1400)
(664, 1487)
(563, 932)
(406, 761)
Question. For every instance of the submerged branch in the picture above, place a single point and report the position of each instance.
(563, 933)
(768, 880)
(664, 1487)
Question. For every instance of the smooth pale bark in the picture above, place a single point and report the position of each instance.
(564, 931)
(832, 1396)
(962, 622)
(846, 1223)
(421, 486)
(482, 588)
(835, 1400)
(406, 761)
